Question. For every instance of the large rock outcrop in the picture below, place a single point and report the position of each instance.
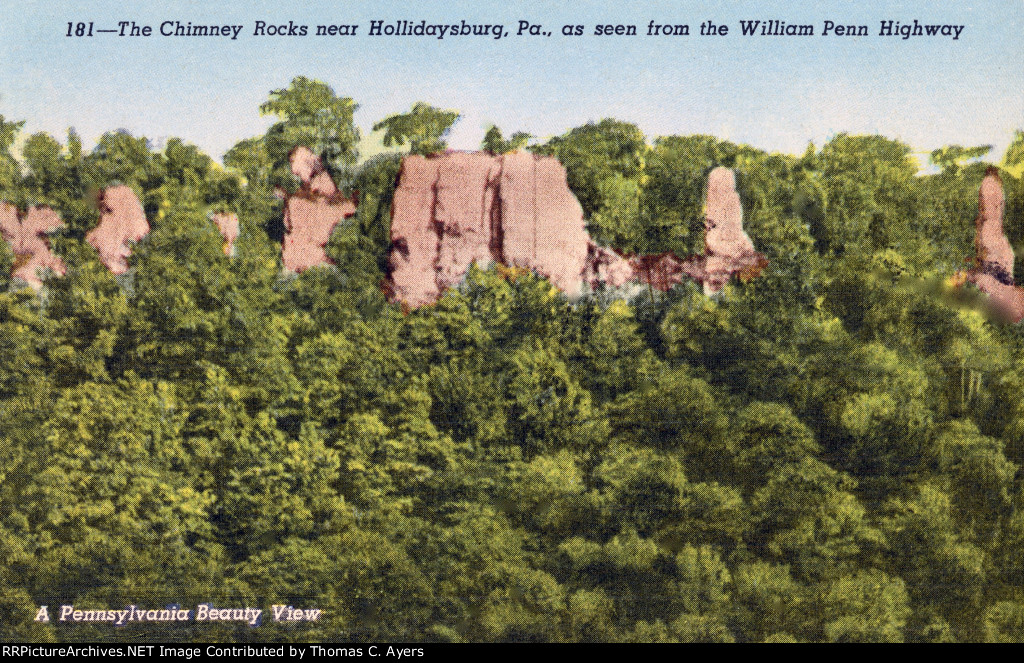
(311, 214)
(122, 222)
(452, 210)
(993, 273)
(26, 234)
(727, 248)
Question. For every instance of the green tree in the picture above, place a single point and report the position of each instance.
(495, 143)
(605, 350)
(121, 158)
(1004, 622)
(868, 606)
(953, 156)
(114, 511)
(1014, 155)
(679, 413)
(312, 116)
(770, 437)
(944, 571)
(548, 410)
(424, 128)
(10, 171)
(870, 201)
(807, 515)
(58, 176)
(767, 602)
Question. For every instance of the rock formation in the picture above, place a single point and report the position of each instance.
(517, 209)
(26, 234)
(995, 256)
(993, 273)
(727, 248)
(122, 222)
(227, 224)
(311, 214)
(453, 210)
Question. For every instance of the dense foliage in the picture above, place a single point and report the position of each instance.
(830, 452)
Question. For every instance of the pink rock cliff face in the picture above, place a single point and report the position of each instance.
(541, 221)
(727, 248)
(227, 224)
(122, 222)
(994, 272)
(26, 235)
(311, 215)
(453, 210)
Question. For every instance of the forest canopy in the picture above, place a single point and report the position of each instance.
(830, 452)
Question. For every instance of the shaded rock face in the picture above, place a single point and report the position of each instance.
(414, 237)
(26, 234)
(606, 266)
(466, 214)
(227, 224)
(122, 222)
(994, 272)
(311, 215)
(661, 271)
(727, 248)
(452, 210)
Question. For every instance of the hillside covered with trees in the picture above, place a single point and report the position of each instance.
(829, 452)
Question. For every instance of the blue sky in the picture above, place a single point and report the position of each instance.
(776, 93)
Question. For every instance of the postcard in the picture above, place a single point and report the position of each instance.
(365, 328)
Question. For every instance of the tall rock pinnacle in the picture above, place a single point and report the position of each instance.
(122, 222)
(993, 274)
(727, 248)
(311, 214)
